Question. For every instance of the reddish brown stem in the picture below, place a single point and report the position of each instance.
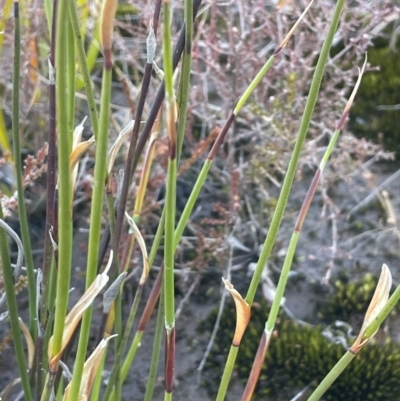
(152, 300)
(307, 201)
(169, 361)
(256, 368)
(220, 138)
(156, 16)
(50, 212)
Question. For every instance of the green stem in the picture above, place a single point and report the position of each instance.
(95, 227)
(191, 202)
(64, 182)
(115, 378)
(71, 82)
(110, 394)
(13, 311)
(47, 302)
(230, 363)
(332, 376)
(19, 173)
(153, 252)
(84, 68)
(131, 354)
(286, 187)
(170, 199)
(253, 85)
(48, 387)
(269, 327)
(48, 8)
(287, 184)
(280, 289)
(184, 86)
(155, 356)
(183, 104)
(169, 249)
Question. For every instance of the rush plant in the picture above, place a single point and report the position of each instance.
(57, 330)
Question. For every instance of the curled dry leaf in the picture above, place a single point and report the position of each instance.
(122, 136)
(79, 150)
(379, 300)
(29, 342)
(142, 244)
(75, 315)
(148, 161)
(242, 313)
(89, 371)
(73, 160)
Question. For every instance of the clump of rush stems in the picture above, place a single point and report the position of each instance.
(55, 326)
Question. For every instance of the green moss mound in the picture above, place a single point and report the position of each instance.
(348, 299)
(301, 356)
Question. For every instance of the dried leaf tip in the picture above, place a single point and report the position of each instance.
(89, 371)
(290, 33)
(352, 96)
(242, 313)
(134, 229)
(378, 302)
(106, 30)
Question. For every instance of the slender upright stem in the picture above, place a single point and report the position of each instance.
(84, 68)
(51, 178)
(150, 385)
(95, 225)
(184, 86)
(287, 184)
(170, 207)
(13, 311)
(19, 172)
(110, 393)
(288, 181)
(71, 81)
(64, 183)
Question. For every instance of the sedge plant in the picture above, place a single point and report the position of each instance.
(55, 325)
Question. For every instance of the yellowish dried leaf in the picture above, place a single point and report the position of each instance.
(75, 315)
(379, 300)
(142, 245)
(148, 161)
(294, 27)
(242, 313)
(79, 150)
(89, 371)
(122, 137)
(29, 342)
(107, 23)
